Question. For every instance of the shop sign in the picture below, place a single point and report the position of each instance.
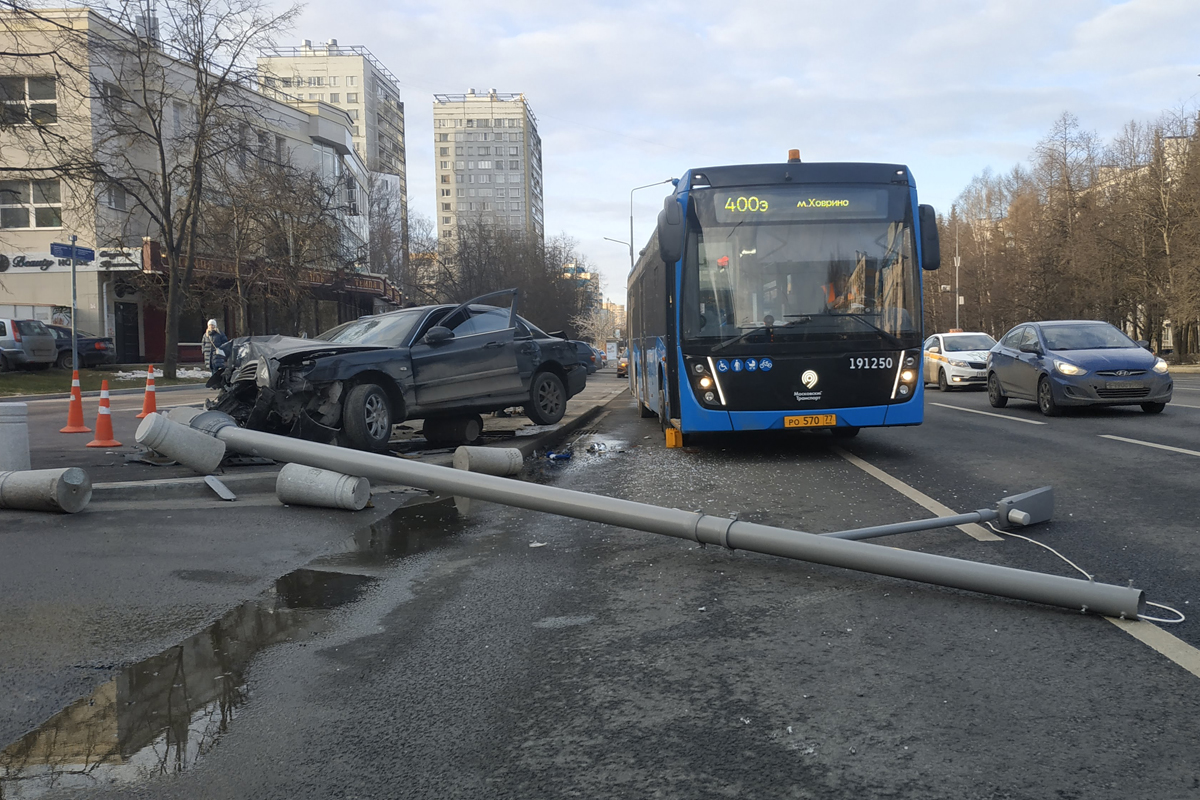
(115, 259)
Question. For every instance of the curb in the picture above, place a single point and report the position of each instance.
(263, 481)
(24, 398)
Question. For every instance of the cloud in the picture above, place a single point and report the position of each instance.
(628, 93)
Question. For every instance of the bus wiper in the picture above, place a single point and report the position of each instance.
(739, 338)
(863, 319)
(796, 319)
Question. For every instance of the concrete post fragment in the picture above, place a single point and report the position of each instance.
(189, 447)
(67, 490)
(311, 486)
(14, 436)
(489, 460)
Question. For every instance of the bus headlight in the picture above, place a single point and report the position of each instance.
(706, 382)
(906, 376)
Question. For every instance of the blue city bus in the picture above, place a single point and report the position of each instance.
(780, 296)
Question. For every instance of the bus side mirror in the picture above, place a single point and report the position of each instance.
(931, 249)
(670, 231)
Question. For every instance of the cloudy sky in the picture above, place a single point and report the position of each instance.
(629, 93)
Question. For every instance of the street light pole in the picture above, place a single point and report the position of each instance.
(631, 239)
(957, 295)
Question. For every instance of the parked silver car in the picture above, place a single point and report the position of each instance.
(26, 343)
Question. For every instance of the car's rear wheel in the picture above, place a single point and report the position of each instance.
(1045, 398)
(1153, 408)
(943, 384)
(547, 399)
(367, 418)
(995, 396)
(64, 360)
(4, 365)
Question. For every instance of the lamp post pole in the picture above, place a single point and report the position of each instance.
(957, 294)
(631, 239)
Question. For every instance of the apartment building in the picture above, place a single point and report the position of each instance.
(488, 163)
(48, 114)
(351, 78)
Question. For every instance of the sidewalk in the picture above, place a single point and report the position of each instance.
(118, 474)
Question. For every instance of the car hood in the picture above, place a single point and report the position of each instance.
(292, 348)
(1109, 358)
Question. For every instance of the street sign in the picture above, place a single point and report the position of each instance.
(59, 250)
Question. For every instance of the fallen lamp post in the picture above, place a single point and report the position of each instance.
(175, 440)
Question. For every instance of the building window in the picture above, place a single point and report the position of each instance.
(485, 178)
(445, 178)
(352, 80)
(351, 97)
(445, 192)
(23, 202)
(280, 149)
(445, 206)
(485, 164)
(443, 137)
(443, 165)
(485, 151)
(334, 97)
(26, 101)
(460, 193)
(460, 164)
(316, 80)
(333, 80)
(443, 151)
(353, 112)
(446, 220)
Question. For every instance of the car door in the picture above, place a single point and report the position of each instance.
(1005, 356)
(930, 364)
(478, 361)
(1027, 366)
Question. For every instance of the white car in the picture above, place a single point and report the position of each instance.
(957, 360)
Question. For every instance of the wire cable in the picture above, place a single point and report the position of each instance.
(1091, 578)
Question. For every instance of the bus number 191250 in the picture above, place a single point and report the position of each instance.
(876, 362)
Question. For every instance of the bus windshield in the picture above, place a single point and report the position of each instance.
(801, 265)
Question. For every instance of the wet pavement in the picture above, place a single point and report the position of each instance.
(494, 652)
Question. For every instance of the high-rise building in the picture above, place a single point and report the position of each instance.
(352, 79)
(488, 160)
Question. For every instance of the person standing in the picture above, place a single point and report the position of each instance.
(210, 346)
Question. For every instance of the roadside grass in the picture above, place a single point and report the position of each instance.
(58, 381)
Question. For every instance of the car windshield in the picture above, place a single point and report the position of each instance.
(387, 330)
(968, 341)
(801, 267)
(1085, 337)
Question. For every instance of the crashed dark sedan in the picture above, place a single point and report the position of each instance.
(444, 364)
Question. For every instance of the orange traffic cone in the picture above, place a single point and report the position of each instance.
(104, 431)
(148, 403)
(75, 410)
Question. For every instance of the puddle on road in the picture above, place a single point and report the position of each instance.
(162, 715)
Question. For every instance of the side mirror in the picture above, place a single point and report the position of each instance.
(1031, 347)
(1143, 343)
(934, 349)
(437, 334)
(931, 248)
(670, 231)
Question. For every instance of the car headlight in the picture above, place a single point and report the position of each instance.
(1068, 369)
(955, 363)
(1160, 367)
(264, 373)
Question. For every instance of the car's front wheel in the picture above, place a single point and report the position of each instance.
(995, 396)
(547, 399)
(1153, 408)
(1045, 398)
(367, 418)
(943, 384)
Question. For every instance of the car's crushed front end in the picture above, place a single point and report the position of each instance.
(265, 385)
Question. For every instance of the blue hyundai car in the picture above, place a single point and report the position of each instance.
(1075, 363)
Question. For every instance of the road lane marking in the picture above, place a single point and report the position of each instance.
(1162, 642)
(989, 414)
(1149, 634)
(971, 529)
(1151, 444)
(1182, 405)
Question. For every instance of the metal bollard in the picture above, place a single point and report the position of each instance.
(312, 486)
(14, 436)
(489, 460)
(189, 447)
(67, 490)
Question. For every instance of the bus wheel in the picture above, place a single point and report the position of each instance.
(847, 432)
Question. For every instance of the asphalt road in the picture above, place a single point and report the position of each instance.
(503, 653)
